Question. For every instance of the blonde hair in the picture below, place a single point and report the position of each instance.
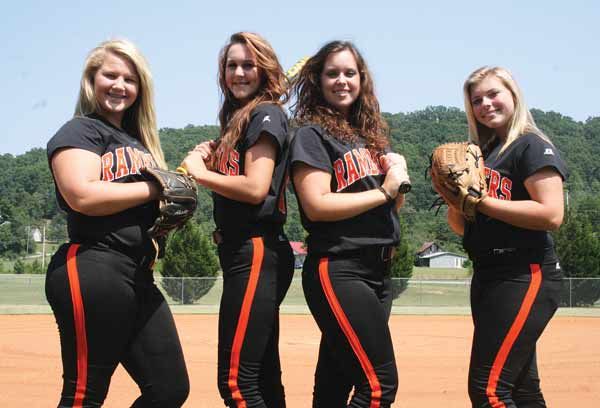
(521, 121)
(140, 118)
(234, 116)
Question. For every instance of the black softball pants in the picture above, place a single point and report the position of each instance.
(511, 306)
(256, 276)
(109, 311)
(350, 298)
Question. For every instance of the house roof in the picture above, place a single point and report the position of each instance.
(438, 254)
(298, 247)
(425, 246)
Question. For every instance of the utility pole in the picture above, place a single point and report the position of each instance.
(44, 246)
(27, 245)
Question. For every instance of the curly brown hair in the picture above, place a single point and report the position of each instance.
(234, 116)
(365, 117)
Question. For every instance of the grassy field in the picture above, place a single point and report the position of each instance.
(22, 290)
(27, 292)
(426, 288)
(420, 272)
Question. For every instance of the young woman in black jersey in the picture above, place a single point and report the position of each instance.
(347, 182)
(247, 174)
(100, 283)
(516, 282)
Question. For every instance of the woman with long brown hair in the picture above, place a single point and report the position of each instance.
(347, 184)
(247, 169)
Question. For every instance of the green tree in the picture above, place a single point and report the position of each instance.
(34, 267)
(189, 253)
(402, 262)
(19, 267)
(578, 248)
(27, 193)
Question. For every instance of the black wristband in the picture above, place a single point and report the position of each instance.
(387, 195)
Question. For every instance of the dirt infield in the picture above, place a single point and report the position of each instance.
(432, 355)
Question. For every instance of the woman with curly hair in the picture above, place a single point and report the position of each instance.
(247, 170)
(347, 183)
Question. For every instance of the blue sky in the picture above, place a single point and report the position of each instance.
(420, 52)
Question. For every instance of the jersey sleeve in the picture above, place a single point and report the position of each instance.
(537, 154)
(267, 119)
(308, 148)
(79, 133)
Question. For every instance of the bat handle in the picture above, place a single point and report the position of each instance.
(182, 170)
(405, 187)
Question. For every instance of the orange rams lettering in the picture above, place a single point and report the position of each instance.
(355, 165)
(228, 160)
(498, 187)
(124, 161)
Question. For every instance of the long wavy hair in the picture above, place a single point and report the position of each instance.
(139, 119)
(521, 122)
(365, 117)
(234, 115)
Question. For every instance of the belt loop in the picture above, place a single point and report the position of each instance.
(217, 237)
(387, 253)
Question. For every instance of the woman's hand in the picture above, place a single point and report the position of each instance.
(194, 164)
(207, 149)
(395, 175)
(389, 159)
(394, 159)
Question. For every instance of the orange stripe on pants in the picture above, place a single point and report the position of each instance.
(79, 319)
(349, 333)
(513, 334)
(240, 331)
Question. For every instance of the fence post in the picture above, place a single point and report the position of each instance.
(182, 290)
(570, 292)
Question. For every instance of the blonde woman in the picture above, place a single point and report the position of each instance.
(100, 283)
(248, 180)
(516, 282)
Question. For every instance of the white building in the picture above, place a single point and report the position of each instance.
(36, 234)
(442, 260)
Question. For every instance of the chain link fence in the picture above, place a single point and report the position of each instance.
(576, 292)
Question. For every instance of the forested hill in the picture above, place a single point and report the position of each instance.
(27, 191)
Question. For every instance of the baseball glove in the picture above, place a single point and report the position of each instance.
(177, 201)
(457, 174)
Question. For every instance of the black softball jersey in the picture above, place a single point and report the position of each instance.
(239, 219)
(353, 169)
(121, 158)
(505, 177)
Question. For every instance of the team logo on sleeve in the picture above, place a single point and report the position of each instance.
(498, 187)
(355, 165)
(124, 161)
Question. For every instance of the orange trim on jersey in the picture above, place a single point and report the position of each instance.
(349, 333)
(513, 334)
(240, 331)
(79, 319)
